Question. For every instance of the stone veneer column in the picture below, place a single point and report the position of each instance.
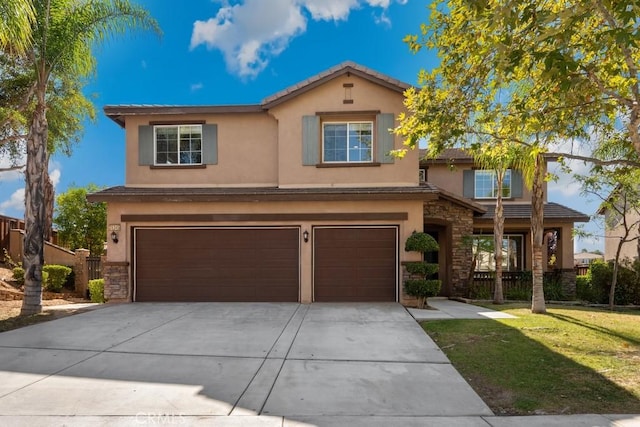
(116, 281)
(460, 222)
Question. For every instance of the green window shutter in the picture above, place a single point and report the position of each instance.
(385, 137)
(516, 183)
(310, 140)
(210, 144)
(468, 183)
(145, 145)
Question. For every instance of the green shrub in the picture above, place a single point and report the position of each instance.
(18, 275)
(552, 288)
(584, 290)
(96, 290)
(518, 293)
(422, 289)
(627, 286)
(421, 242)
(420, 268)
(57, 276)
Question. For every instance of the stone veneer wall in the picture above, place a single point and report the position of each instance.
(568, 280)
(460, 219)
(116, 281)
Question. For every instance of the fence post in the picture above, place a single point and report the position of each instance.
(82, 272)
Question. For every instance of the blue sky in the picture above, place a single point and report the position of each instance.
(239, 52)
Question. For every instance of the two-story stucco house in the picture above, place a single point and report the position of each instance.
(292, 199)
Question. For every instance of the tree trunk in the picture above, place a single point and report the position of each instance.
(35, 207)
(498, 232)
(49, 197)
(537, 235)
(616, 264)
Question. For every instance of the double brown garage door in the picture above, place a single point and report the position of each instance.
(222, 264)
(263, 264)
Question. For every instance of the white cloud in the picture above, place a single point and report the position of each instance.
(566, 184)
(54, 176)
(250, 33)
(12, 175)
(196, 87)
(15, 202)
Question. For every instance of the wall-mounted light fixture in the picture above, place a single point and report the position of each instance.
(114, 228)
(305, 236)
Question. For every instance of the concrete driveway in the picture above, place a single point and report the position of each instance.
(232, 364)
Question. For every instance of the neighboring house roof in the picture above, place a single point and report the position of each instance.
(588, 255)
(118, 112)
(458, 155)
(552, 210)
(448, 155)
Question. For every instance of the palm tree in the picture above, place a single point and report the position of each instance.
(63, 33)
(16, 19)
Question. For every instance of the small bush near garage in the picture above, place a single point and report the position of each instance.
(96, 290)
(57, 277)
(18, 275)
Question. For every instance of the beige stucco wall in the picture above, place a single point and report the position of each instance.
(247, 153)
(329, 97)
(450, 179)
(121, 252)
(52, 254)
(612, 238)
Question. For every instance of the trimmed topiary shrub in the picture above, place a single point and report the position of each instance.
(96, 290)
(423, 287)
(57, 277)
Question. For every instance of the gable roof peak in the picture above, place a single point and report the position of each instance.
(346, 67)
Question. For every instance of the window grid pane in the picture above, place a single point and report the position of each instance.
(486, 184)
(178, 144)
(512, 253)
(347, 142)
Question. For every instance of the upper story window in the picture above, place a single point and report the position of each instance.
(347, 141)
(178, 144)
(486, 184)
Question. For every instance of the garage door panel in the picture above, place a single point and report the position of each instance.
(355, 264)
(212, 264)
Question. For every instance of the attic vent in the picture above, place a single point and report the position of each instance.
(347, 93)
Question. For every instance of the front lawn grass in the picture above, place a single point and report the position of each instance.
(573, 360)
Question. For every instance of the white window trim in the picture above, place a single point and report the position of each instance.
(155, 146)
(348, 123)
(422, 175)
(493, 172)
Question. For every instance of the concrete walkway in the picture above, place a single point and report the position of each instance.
(228, 364)
(444, 308)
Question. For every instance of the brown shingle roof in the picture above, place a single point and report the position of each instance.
(330, 74)
(448, 155)
(207, 194)
(552, 210)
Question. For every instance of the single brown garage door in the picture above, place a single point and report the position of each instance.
(355, 264)
(216, 264)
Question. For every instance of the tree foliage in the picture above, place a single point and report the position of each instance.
(536, 73)
(80, 223)
(54, 49)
